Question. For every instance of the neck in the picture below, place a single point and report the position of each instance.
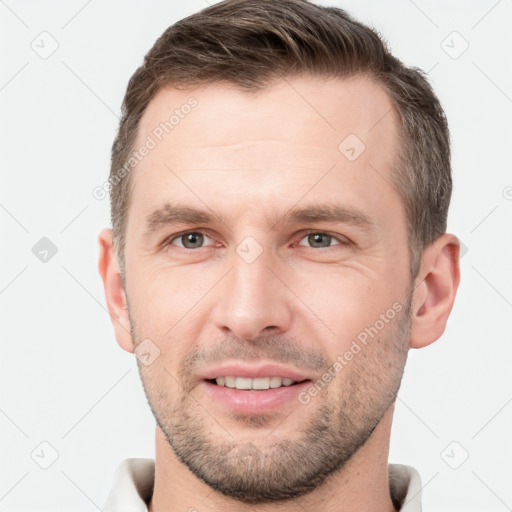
(362, 484)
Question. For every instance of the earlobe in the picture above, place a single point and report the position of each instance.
(435, 289)
(115, 294)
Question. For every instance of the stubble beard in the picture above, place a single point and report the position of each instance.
(289, 466)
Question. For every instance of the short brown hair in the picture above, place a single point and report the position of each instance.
(250, 43)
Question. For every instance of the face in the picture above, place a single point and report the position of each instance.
(267, 261)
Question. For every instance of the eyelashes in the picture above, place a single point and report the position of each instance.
(199, 236)
(342, 240)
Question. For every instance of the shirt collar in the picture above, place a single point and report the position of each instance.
(133, 486)
(405, 487)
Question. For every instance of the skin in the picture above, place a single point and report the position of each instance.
(250, 158)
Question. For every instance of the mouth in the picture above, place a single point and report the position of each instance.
(253, 384)
(268, 389)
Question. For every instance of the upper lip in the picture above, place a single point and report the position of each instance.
(254, 371)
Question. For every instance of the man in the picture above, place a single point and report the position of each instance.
(280, 186)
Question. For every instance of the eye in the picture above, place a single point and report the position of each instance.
(321, 240)
(190, 240)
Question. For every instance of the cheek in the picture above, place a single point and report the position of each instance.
(157, 300)
(168, 307)
(163, 288)
(346, 302)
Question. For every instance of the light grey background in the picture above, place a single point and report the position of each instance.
(63, 378)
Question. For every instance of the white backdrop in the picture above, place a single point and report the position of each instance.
(64, 381)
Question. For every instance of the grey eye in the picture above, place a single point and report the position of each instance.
(319, 240)
(191, 240)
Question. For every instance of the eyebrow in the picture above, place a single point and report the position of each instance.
(172, 214)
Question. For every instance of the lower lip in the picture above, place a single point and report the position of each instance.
(254, 401)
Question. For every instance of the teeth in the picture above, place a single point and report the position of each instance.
(228, 382)
(261, 383)
(257, 383)
(275, 382)
(243, 383)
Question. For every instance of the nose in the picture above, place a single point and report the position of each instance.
(253, 299)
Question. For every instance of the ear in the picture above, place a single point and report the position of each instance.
(114, 290)
(435, 289)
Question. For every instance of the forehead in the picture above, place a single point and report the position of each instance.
(332, 139)
(287, 109)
